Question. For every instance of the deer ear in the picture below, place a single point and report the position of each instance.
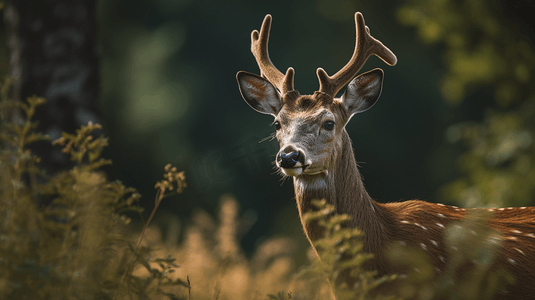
(363, 91)
(259, 93)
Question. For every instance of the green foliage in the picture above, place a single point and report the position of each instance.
(498, 164)
(157, 281)
(340, 250)
(468, 273)
(62, 236)
(481, 49)
(473, 249)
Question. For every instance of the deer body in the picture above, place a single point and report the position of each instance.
(316, 151)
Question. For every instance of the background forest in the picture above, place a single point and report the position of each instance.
(455, 122)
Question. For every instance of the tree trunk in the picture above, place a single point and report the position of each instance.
(58, 60)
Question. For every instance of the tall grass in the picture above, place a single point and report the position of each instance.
(62, 235)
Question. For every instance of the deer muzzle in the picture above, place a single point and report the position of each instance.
(291, 161)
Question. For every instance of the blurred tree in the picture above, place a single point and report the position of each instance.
(53, 53)
(485, 50)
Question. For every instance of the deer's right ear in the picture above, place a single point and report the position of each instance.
(259, 93)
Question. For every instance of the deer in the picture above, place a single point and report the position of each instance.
(316, 152)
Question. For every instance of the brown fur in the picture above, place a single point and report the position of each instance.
(382, 224)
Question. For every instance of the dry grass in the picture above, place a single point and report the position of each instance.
(211, 257)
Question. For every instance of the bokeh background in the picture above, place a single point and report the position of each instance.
(453, 124)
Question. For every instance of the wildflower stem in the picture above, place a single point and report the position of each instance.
(159, 197)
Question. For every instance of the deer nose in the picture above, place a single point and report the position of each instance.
(289, 160)
(289, 157)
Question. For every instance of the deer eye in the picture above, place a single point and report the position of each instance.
(329, 125)
(277, 125)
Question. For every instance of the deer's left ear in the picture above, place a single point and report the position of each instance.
(363, 91)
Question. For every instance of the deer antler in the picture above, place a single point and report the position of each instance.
(259, 47)
(365, 46)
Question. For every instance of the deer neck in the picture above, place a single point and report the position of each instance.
(342, 187)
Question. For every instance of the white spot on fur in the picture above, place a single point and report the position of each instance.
(491, 209)
(473, 232)
(440, 225)
(501, 208)
(442, 258)
(434, 243)
(531, 235)
(441, 215)
(405, 222)
(423, 246)
(523, 207)
(516, 231)
(509, 208)
(511, 238)
(421, 226)
(438, 270)
(511, 261)
(440, 204)
(520, 251)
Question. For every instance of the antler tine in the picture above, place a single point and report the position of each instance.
(259, 48)
(365, 46)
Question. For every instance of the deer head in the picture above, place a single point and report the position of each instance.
(309, 127)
